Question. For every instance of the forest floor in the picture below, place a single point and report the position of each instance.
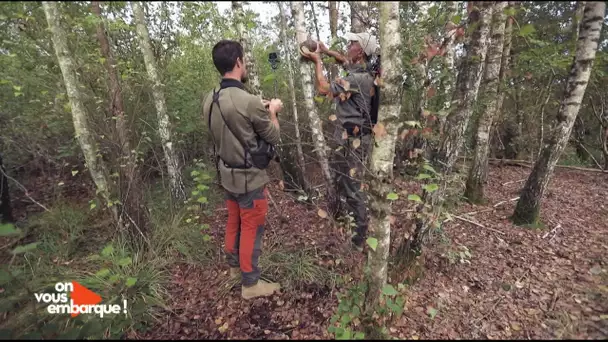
(523, 283)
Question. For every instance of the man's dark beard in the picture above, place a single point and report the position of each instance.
(244, 79)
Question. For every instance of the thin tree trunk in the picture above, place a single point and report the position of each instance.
(449, 37)
(358, 16)
(333, 30)
(467, 84)
(465, 94)
(130, 183)
(241, 29)
(478, 173)
(314, 19)
(292, 89)
(173, 165)
(527, 210)
(72, 85)
(297, 10)
(6, 211)
(383, 153)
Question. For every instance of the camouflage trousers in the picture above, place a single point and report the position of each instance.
(349, 165)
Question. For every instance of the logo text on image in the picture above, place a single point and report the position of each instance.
(80, 301)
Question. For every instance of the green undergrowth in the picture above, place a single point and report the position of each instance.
(73, 242)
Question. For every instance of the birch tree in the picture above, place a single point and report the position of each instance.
(333, 32)
(243, 33)
(478, 172)
(297, 11)
(527, 210)
(72, 85)
(130, 182)
(448, 40)
(358, 16)
(173, 164)
(467, 84)
(383, 153)
(294, 102)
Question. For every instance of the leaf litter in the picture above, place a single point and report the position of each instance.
(517, 285)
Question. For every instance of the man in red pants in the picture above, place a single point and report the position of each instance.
(244, 129)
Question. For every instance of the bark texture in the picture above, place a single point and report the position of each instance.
(383, 152)
(297, 10)
(6, 211)
(72, 85)
(333, 31)
(467, 84)
(301, 171)
(358, 16)
(241, 29)
(130, 182)
(173, 165)
(478, 173)
(527, 210)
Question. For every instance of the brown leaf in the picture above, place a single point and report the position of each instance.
(431, 92)
(431, 51)
(353, 172)
(528, 75)
(364, 186)
(342, 97)
(379, 130)
(414, 61)
(322, 213)
(379, 82)
(356, 143)
(460, 32)
(333, 117)
(425, 113)
(356, 130)
(372, 91)
(344, 135)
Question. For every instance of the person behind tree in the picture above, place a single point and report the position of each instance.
(356, 108)
(244, 129)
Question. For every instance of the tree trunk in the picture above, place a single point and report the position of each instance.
(383, 152)
(79, 116)
(358, 16)
(130, 182)
(314, 19)
(241, 29)
(527, 210)
(505, 65)
(478, 173)
(467, 84)
(173, 165)
(297, 9)
(6, 211)
(301, 171)
(465, 95)
(333, 30)
(448, 41)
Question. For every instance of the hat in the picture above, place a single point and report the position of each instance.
(367, 41)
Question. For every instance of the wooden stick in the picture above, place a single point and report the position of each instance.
(554, 230)
(511, 182)
(526, 163)
(503, 202)
(478, 224)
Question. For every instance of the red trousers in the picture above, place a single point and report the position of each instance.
(244, 232)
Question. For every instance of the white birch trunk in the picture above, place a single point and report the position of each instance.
(241, 29)
(72, 85)
(297, 10)
(479, 169)
(383, 153)
(358, 13)
(527, 210)
(450, 53)
(292, 89)
(173, 167)
(467, 84)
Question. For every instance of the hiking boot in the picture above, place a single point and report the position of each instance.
(261, 289)
(235, 272)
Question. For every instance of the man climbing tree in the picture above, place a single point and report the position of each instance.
(353, 122)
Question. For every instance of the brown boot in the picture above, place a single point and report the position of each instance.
(261, 289)
(235, 272)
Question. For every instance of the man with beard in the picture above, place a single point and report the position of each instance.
(243, 128)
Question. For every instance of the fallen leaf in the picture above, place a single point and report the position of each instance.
(342, 97)
(353, 172)
(379, 130)
(415, 337)
(356, 130)
(356, 143)
(322, 213)
(515, 326)
(333, 117)
(430, 92)
(344, 135)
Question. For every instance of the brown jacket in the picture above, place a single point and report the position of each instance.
(247, 116)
